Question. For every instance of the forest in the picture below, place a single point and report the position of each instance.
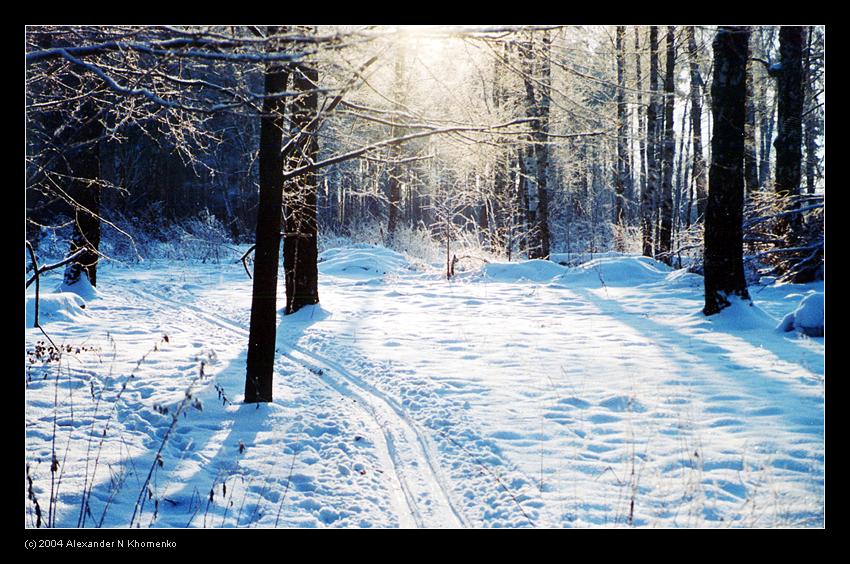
(466, 276)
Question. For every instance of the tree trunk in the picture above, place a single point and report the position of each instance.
(261, 340)
(648, 203)
(696, 126)
(300, 244)
(538, 107)
(751, 176)
(665, 232)
(724, 263)
(623, 174)
(680, 174)
(395, 171)
(789, 137)
(543, 151)
(812, 116)
(83, 168)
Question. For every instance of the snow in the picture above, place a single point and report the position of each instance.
(363, 262)
(531, 270)
(55, 306)
(808, 318)
(618, 271)
(525, 394)
(82, 287)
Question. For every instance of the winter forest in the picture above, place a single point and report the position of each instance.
(354, 276)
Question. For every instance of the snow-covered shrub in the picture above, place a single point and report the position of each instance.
(628, 238)
(808, 317)
(203, 237)
(417, 243)
(150, 236)
(784, 236)
(414, 242)
(689, 247)
(140, 234)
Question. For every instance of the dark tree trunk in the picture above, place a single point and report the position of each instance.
(724, 264)
(501, 204)
(543, 152)
(767, 127)
(261, 340)
(648, 199)
(810, 137)
(812, 117)
(300, 247)
(686, 178)
(394, 192)
(83, 170)
(623, 173)
(680, 175)
(395, 171)
(665, 232)
(538, 108)
(790, 110)
(484, 218)
(525, 215)
(696, 126)
(86, 234)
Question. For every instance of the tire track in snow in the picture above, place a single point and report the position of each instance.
(411, 453)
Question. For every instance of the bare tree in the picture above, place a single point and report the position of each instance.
(300, 244)
(665, 231)
(623, 172)
(699, 171)
(724, 263)
(789, 136)
(648, 198)
(263, 329)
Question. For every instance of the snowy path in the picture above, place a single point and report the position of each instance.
(529, 396)
(426, 502)
(590, 396)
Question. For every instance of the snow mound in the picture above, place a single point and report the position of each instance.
(308, 314)
(362, 262)
(536, 270)
(575, 259)
(617, 271)
(807, 318)
(81, 287)
(683, 278)
(613, 269)
(56, 306)
(741, 315)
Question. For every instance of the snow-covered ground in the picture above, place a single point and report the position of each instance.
(520, 395)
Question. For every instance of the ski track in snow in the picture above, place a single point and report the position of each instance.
(406, 400)
(426, 498)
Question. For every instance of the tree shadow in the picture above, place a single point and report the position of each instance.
(739, 341)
